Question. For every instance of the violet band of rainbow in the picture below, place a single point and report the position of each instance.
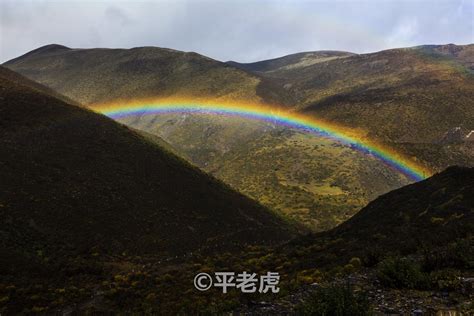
(388, 156)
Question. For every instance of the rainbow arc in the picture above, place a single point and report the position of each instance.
(389, 156)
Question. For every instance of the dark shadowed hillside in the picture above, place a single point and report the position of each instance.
(404, 249)
(75, 182)
(420, 237)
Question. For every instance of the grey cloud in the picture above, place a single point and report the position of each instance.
(241, 30)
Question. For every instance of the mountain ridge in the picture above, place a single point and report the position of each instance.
(401, 98)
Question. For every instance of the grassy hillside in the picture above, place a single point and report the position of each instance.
(328, 185)
(290, 62)
(101, 75)
(401, 95)
(408, 98)
(412, 94)
(75, 182)
(317, 181)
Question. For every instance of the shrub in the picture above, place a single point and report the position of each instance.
(348, 269)
(401, 273)
(356, 263)
(459, 254)
(372, 257)
(335, 300)
(445, 280)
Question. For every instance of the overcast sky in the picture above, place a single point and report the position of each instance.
(240, 30)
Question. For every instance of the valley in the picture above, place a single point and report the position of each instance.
(361, 92)
(104, 214)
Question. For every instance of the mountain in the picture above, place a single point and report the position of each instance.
(407, 98)
(18, 79)
(330, 183)
(407, 95)
(85, 75)
(463, 54)
(290, 62)
(418, 217)
(75, 182)
(401, 95)
(97, 218)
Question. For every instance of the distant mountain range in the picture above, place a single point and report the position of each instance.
(403, 98)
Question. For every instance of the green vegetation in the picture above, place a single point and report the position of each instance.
(101, 75)
(401, 273)
(406, 98)
(404, 273)
(337, 301)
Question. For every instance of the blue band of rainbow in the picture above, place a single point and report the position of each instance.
(393, 159)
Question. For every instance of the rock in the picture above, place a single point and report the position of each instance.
(454, 135)
(467, 285)
(417, 312)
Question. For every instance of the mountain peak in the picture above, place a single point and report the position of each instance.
(52, 47)
(46, 49)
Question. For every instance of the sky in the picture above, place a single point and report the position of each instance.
(239, 30)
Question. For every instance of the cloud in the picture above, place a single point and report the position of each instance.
(403, 33)
(116, 15)
(242, 30)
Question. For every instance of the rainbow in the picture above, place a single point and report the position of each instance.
(390, 157)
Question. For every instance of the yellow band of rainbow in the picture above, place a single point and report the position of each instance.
(390, 157)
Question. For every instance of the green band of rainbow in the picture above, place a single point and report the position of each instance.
(390, 157)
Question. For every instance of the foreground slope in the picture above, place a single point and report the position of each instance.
(76, 182)
(430, 222)
(427, 226)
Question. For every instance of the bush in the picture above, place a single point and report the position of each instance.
(459, 254)
(335, 300)
(401, 273)
(372, 257)
(356, 263)
(445, 280)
